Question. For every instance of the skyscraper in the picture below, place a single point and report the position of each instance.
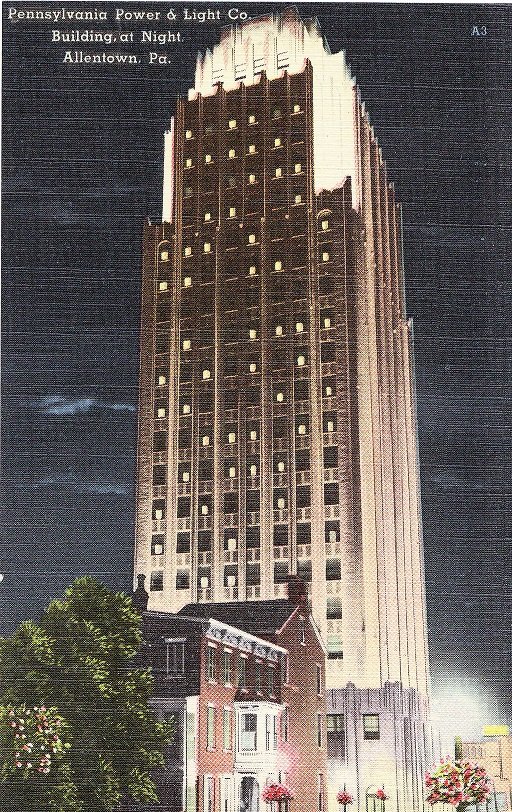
(277, 424)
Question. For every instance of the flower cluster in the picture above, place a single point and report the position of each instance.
(34, 737)
(276, 792)
(381, 795)
(344, 797)
(457, 783)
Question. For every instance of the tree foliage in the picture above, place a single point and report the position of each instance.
(77, 661)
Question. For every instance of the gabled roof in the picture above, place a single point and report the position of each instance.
(255, 617)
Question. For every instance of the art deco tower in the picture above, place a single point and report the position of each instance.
(277, 424)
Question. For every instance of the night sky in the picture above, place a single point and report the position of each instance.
(82, 168)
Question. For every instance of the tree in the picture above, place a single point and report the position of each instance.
(458, 783)
(78, 661)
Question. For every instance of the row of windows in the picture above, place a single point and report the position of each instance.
(248, 733)
(230, 503)
(219, 667)
(252, 119)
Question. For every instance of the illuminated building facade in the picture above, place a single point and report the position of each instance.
(277, 426)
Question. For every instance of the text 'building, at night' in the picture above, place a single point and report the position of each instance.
(277, 427)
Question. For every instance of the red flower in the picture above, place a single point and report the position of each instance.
(344, 797)
(276, 792)
(381, 795)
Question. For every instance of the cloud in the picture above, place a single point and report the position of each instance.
(59, 405)
(94, 488)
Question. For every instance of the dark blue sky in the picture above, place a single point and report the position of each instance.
(82, 166)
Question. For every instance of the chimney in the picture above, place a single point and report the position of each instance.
(140, 597)
(297, 591)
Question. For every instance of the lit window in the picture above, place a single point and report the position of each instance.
(327, 322)
(253, 435)
(298, 169)
(252, 367)
(252, 239)
(206, 374)
(187, 344)
(207, 216)
(187, 282)
(252, 149)
(278, 172)
(160, 412)
(207, 159)
(188, 134)
(281, 503)
(301, 361)
(231, 153)
(204, 510)
(159, 514)
(328, 391)
(158, 549)
(207, 247)
(163, 286)
(231, 437)
(232, 544)
(232, 472)
(252, 270)
(325, 256)
(232, 124)
(298, 198)
(252, 333)
(301, 428)
(371, 727)
(279, 330)
(204, 582)
(252, 178)
(164, 256)
(186, 408)
(251, 120)
(187, 251)
(279, 397)
(278, 265)
(330, 426)
(185, 476)
(188, 191)
(188, 163)
(296, 108)
(253, 471)
(280, 466)
(277, 142)
(206, 440)
(232, 211)
(162, 380)
(325, 225)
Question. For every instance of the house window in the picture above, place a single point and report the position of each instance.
(251, 120)
(336, 736)
(157, 545)
(242, 672)
(163, 286)
(157, 581)
(279, 397)
(185, 476)
(227, 667)
(253, 334)
(319, 679)
(232, 124)
(188, 163)
(226, 729)
(321, 803)
(248, 740)
(319, 730)
(253, 470)
(210, 727)
(204, 510)
(327, 322)
(281, 466)
(268, 731)
(175, 657)
(325, 256)
(253, 367)
(257, 677)
(205, 440)
(186, 408)
(210, 663)
(371, 727)
(333, 569)
(302, 631)
(285, 722)
(253, 434)
(162, 380)
(301, 428)
(232, 472)
(208, 799)
(301, 360)
(252, 239)
(296, 108)
(182, 579)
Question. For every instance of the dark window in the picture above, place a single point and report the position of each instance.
(280, 572)
(175, 658)
(248, 731)
(211, 663)
(231, 366)
(252, 574)
(253, 537)
(257, 677)
(159, 441)
(157, 581)
(302, 461)
(253, 396)
(301, 390)
(331, 456)
(184, 438)
(280, 427)
(183, 508)
(371, 727)
(271, 688)
(303, 534)
(159, 474)
(242, 672)
(205, 470)
(334, 610)
(280, 535)
(333, 569)
(336, 736)
(230, 503)
(331, 493)
(304, 570)
(204, 541)
(182, 579)
(253, 501)
(227, 667)
(231, 398)
(285, 723)
(303, 497)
